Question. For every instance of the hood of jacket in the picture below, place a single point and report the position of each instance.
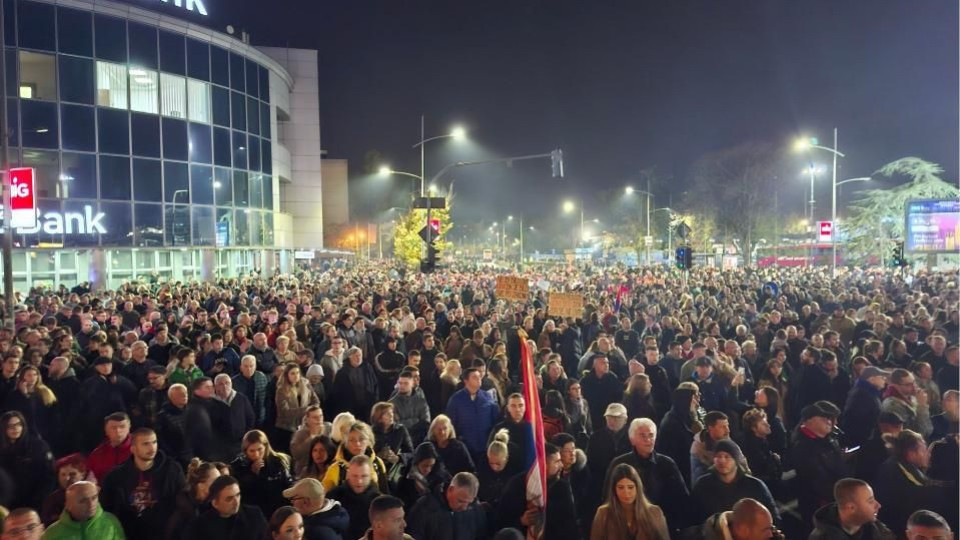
(827, 518)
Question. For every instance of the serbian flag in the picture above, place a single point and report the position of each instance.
(623, 289)
(536, 458)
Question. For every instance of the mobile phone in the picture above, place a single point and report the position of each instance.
(852, 449)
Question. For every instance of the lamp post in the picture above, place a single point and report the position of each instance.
(570, 206)
(458, 133)
(630, 190)
(804, 144)
(669, 228)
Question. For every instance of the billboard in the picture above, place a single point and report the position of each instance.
(932, 226)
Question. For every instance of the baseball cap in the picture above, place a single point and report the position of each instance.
(616, 409)
(309, 488)
(873, 371)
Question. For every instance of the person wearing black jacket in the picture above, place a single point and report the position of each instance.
(27, 459)
(863, 405)
(853, 515)
(355, 494)
(239, 418)
(103, 393)
(874, 451)
(228, 519)
(726, 483)
(519, 430)
(263, 473)
(600, 388)
(560, 519)
(678, 427)
(902, 487)
(450, 513)
(355, 387)
(818, 460)
(763, 461)
(608, 442)
(142, 491)
(570, 348)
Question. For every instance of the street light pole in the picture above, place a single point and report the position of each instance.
(649, 196)
(422, 137)
(521, 244)
(833, 213)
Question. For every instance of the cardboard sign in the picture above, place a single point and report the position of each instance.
(512, 288)
(565, 305)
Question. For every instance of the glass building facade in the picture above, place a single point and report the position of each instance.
(152, 148)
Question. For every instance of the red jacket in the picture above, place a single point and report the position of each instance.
(105, 457)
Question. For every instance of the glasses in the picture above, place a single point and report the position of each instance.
(23, 531)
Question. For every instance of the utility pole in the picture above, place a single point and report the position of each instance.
(649, 196)
(521, 244)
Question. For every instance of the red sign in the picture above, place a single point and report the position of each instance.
(825, 230)
(23, 197)
(435, 225)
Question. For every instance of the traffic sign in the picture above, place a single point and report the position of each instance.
(435, 225)
(436, 203)
(825, 231)
(648, 240)
(23, 197)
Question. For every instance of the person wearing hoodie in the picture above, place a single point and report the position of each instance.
(678, 427)
(717, 427)
(323, 518)
(853, 514)
(426, 474)
(355, 494)
(142, 491)
(863, 405)
(727, 482)
(84, 517)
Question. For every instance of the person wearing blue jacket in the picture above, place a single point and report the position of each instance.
(473, 413)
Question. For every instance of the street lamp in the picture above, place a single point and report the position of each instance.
(629, 190)
(458, 133)
(812, 143)
(568, 207)
(670, 213)
(385, 170)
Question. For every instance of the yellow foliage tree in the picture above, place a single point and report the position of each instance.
(407, 244)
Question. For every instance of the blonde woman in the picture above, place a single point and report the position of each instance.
(341, 425)
(449, 380)
(294, 396)
(37, 403)
(453, 453)
(358, 442)
(627, 513)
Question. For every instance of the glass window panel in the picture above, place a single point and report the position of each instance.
(198, 59)
(172, 53)
(47, 233)
(76, 79)
(265, 120)
(223, 187)
(225, 229)
(143, 45)
(111, 85)
(256, 227)
(237, 76)
(268, 192)
(79, 128)
(144, 90)
(75, 31)
(173, 96)
(241, 189)
(145, 132)
(176, 183)
(47, 174)
(113, 127)
(13, 122)
(239, 150)
(253, 78)
(219, 66)
(256, 191)
(238, 110)
(268, 228)
(204, 231)
(118, 222)
(222, 148)
(78, 176)
(43, 262)
(266, 156)
(221, 106)
(36, 22)
(39, 123)
(264, 84)
(73, 213)
(253, 152)
(148, 225)
(121, 260)
(115, 178)
(38, 76)
(201, 184)
(175, 144)
(198, 92)
(241, 228)
(11, 68)
(200, 149)
(110, 38)
(253, 116)
(177, 224)
(147, 180)
(144, 261)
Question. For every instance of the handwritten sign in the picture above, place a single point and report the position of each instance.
(512, 288)
(565, 305)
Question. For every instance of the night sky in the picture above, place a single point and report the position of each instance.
(620, 86)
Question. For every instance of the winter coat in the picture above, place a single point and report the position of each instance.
(291, 407)
(432, 519)
(357, 506)
(410, 410)
(143, 515)
(826, 526)
(102, 526)
(456, 457)
(265, 488)
(915, 417)
(99, 397)
(105, 457)
(901, 489)
(336, 474)
(860, 412)
(819, 463)
(764, 463)
(473, 418)
(29, 463)
(560, 520)
(355, 390)
(662, 484)
(186, 512)
(329, 523)
(599, 393)
(42, 419)
(396, 438)
(605, 528)
(604, 446)
(711, 495)
(247, 524)
(255, 389)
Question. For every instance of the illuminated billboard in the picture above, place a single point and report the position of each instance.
(932, 226)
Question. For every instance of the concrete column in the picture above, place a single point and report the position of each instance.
(285, 260)
(176, 265)
(268, 262)
(208, 265)
(97, 271)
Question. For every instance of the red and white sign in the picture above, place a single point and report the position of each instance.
(23, 197)
(825, 231)
(435, 225)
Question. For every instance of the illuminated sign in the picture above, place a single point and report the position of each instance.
(825, 231)
(52, 223)
(189, 5)
(23, 197)
(932, 226)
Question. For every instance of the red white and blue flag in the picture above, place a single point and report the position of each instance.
(536, 458)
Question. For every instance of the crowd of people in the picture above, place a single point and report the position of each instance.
(362, 401)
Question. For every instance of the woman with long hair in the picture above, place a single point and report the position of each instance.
(453, 453)
(192, 501)
(392, 442)
(263, 473)
(638, 398)
(27, 459)
(358, 442)
(497, 374)
(286, 524)
(627, 513)
(454, 342)
(767, 399)
(321, 450)
(294, 396)
(37, 403)
(425, 475)
(774, 377)
(449, 380)
(312, 427)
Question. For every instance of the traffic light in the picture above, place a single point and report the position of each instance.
(556, 163)
(429, 263)
(684, 258)
(897, 259)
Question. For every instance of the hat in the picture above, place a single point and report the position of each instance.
(828, 408)
(100, 360)
(873, 371)
(811, 411)
(730, 447)
(890, 418)
(309, 488)
(616, 409)
(315, 369)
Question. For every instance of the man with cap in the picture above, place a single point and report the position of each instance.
(600, 387)
(314, 374)
(727, 482)
(609, 441)
(863, 405)
(874, 451)
(323, 518)
(818, 461)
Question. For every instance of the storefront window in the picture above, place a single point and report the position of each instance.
(115, 178)
(242, 228)
(176, 183)
(241, 190)
(147, 180)
(256, 191)
(177, 224)
(200, 146)
(204, 232)
(256, 228)
(201, 184)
